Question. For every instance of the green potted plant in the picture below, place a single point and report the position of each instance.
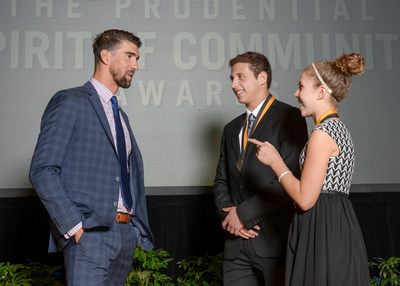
(387, 271)
(204, 270)
(146, 268)
(34, 273)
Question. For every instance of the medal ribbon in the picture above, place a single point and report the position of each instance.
(267, 106)
(329, 114)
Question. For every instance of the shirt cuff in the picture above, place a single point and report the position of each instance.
(72, 231)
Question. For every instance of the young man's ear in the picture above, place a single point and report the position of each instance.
(263, 77)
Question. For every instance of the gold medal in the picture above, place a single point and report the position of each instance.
(329, 114)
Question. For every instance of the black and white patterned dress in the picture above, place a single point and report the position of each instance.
(326, 246)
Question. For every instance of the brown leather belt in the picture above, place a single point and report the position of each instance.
(123, 217)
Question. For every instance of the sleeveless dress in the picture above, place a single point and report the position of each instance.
(325, 245)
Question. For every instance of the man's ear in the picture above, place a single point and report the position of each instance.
(105, 57)
(263, 77)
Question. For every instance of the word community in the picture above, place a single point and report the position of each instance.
(211, 51)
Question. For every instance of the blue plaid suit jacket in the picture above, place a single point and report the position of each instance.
(75, 169)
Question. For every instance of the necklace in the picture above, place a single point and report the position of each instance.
(328, 114)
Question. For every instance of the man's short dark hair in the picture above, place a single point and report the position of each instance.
(257, 62)
(110, 40)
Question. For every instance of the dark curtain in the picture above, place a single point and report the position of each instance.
(379, 218)
(185, 225)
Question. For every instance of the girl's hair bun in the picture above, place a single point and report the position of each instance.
(351, 64)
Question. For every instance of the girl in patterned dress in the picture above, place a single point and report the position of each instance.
(325, 245)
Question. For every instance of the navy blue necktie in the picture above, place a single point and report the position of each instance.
(126, 192)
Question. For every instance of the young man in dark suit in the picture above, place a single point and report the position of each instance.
(254, 208)
(88, 171)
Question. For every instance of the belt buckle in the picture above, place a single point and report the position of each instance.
(122, 217)
(119, 216)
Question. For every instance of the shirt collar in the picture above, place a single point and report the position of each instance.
(256, 110)
(104, 93)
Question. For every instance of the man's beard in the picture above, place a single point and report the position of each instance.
(121, 81)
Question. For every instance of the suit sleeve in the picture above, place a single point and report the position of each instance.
(57, 131)
(221, 189)
(272, 197)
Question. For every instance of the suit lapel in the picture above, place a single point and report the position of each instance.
(98, 108)
(135, 147)
(235, 135)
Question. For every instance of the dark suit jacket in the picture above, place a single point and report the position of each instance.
(259, 198)
(75, 169)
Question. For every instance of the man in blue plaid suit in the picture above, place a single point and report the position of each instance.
(76, 170)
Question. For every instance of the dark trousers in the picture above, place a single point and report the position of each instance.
(250, 269)
(101, 257)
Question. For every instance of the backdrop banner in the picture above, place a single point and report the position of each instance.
(181, 96)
